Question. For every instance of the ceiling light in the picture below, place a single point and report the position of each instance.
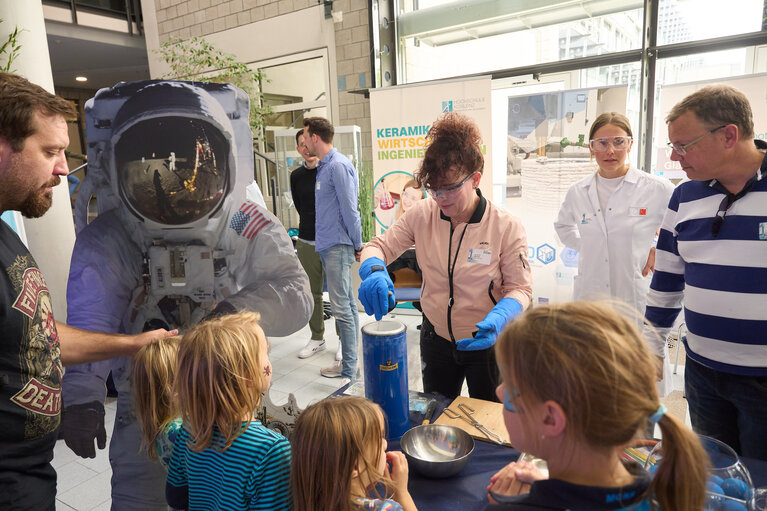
(81, 78)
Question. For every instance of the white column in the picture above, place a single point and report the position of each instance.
(51, 237)
(157, 66)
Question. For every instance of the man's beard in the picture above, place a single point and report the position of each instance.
(39, 201)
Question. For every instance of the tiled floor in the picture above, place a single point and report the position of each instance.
(84, 484)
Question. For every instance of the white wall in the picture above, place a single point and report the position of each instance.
(261, 41)
(51, 237)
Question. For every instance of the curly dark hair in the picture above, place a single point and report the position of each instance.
(454, 145)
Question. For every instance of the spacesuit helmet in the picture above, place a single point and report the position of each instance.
(172, 154)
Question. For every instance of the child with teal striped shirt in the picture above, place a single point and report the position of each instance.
(222, 457)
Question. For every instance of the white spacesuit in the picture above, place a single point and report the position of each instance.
(182, 232)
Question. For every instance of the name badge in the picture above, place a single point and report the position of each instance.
(638, 211)
(318, 185)
(479, 255)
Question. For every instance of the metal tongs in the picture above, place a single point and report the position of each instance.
(468, 412)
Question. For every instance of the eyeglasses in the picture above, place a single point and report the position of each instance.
(716, 224)
(448, 191)
(729, 199)
(600, 145)
(681, 149)
(507, 404)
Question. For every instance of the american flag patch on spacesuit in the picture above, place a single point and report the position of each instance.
(248, 221)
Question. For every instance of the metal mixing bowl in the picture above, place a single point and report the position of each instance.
(437, 450)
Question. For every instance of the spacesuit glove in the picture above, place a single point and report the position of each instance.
(376, 292)
(224, 308)
(81, 425)
(489, 328)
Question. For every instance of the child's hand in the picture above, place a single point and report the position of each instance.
(399, 469)
(513, 479)
(399, 475)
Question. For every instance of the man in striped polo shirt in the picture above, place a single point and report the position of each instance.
(712, 255)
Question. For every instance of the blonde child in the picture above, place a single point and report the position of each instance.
(578, 387)
(223, 458)
(154, 367)
(339, 447)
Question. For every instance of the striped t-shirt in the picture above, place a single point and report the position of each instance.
(254, 473)
(721, 279)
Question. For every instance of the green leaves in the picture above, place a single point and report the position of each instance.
(197, 59)
(365, 200)
(9, 50)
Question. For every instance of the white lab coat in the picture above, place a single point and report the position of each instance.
(613, 245)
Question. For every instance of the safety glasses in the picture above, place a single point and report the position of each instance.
(716, 224)
(448, 191)
(600, 145)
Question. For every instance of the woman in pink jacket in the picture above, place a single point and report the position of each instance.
(473, 258)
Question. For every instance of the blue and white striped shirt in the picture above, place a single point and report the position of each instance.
(722, 280)
(254, 473)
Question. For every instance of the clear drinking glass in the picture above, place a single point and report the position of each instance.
(758, 500)
(729, 484)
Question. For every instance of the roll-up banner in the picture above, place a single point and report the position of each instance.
(400, 119)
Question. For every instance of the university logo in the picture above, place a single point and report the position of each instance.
(447, 106)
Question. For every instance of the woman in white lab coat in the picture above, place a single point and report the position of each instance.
(611, 218)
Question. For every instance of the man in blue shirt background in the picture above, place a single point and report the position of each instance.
(338, 236)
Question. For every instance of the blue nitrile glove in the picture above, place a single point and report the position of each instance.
(377, 290)
(489, 328)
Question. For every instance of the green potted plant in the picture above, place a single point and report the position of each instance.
(9, 50)
(365, 200)
(197, 59)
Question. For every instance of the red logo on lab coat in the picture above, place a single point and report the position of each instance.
(642, 211)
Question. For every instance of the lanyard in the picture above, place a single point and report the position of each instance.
(450, 272)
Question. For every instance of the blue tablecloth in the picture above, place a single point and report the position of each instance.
(758, 470)
(466, 491)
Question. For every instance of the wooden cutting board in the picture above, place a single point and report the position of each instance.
(486, 413)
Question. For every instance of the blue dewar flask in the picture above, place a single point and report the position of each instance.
(384, 355)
